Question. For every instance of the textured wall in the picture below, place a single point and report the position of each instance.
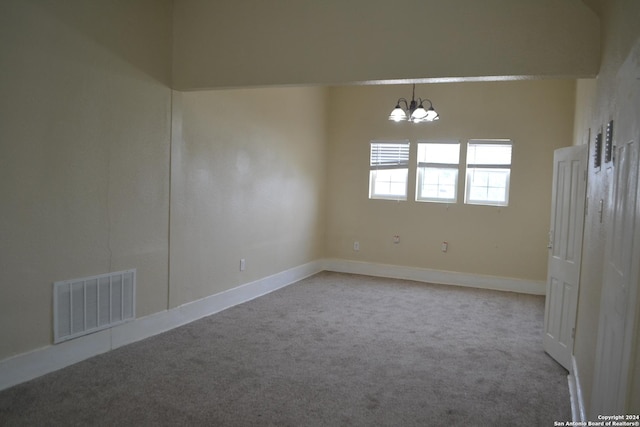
(248, 180)
(84, 150)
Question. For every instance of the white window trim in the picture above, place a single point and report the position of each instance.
(420, 177)
(401, 165)
(471, 166)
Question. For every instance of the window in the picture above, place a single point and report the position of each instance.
(389, 168)
(437, 174)
(488, 172)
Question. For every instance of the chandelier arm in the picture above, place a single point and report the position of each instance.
(406, 104)
(426, 100)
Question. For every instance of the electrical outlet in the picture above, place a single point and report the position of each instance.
(356, 246)
(444, 247)
(242, 264)
(396, 239)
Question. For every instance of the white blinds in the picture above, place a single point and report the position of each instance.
(389, 155)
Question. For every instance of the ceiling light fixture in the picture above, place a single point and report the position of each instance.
(414, 111)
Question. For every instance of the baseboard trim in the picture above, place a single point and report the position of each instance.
(436, 276)
(33, 364)
(27, 366)
(578, 411)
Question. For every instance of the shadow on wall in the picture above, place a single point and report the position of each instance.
(142, 36)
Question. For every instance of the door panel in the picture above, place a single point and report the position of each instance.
(565, 244)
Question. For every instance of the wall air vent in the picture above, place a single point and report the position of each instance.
(83, 306)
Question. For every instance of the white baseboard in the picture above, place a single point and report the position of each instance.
(578, 411)
(436, 276)
(33, 364)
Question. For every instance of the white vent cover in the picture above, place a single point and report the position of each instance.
(83, 306)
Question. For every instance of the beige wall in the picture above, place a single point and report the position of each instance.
(614, 96)
(247, 182)
(92, 181)
(593, 247)
(585, 99)
(85, 154)
(84, 148)
(257, 43)
(509, 241)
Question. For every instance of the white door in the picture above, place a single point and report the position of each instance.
(619, 288)
(565, 251)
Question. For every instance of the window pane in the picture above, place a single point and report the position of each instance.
(495, 194)
(437, 184)
(432, 152)
(397, 188)
(498, 180)
(488, 172)
(439, 176)
(447, 192)
(429, 191)
(479, 178)
(388, 184)
(488, 154)
(487, 186)
(478, 193)
(389, 161)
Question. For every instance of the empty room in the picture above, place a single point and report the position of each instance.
(319, 212)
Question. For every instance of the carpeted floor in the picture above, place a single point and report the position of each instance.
(331, 350)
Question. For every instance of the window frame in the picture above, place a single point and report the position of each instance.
(401, 163)
(421, 167)
(472, 167)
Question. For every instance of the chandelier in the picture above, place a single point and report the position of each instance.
(414, 111)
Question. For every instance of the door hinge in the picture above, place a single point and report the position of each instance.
(573, 333)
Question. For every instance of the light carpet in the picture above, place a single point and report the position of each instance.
(331, 350)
